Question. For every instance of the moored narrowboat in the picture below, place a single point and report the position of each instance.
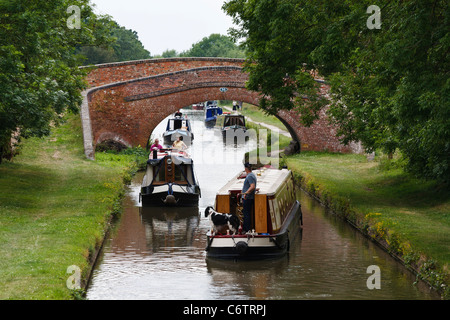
(276, 217)
(169, 180)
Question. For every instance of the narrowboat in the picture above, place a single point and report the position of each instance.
(212, 103)
(232, 126)
(169, 180)
(276, 217)
(176, 127)
(211, 114)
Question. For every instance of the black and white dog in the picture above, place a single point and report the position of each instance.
(221, 222)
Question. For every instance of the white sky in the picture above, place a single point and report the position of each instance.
(168, 24)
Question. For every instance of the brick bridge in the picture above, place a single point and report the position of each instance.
(127, 100)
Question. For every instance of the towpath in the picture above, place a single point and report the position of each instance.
(268, 126)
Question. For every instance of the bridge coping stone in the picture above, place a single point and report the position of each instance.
(159, 60)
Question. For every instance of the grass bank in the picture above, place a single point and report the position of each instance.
(407, 216)
(55, 207)
(254, 113)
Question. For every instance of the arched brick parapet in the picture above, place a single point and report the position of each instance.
(128, 100)
(108, 73)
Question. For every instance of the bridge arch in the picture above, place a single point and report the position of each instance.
(128, 100)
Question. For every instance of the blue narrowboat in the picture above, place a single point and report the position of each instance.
(211, 114)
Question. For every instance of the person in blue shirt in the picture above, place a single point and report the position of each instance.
(248, 197)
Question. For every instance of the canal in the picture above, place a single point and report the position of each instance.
(159, 253)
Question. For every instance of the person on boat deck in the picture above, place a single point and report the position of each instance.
(248, 196)
(156, 145)
(179, 144)
(178, 113)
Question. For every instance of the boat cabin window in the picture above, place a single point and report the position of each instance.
(161, 176)
(178, 176)
(231, 121)
(178, 124)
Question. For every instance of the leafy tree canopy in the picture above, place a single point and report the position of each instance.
(125, 47)
(216, 45)
(390, 86)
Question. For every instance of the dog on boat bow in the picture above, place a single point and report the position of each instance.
(221, 222)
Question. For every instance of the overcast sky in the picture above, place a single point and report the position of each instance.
(168, 24)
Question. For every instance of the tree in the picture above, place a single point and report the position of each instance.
(128, 46)
(390, 86)
(125, 47)
(169, 54)
(39, 74)
(215, 45)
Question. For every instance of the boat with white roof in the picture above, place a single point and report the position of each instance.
(276, 217)
(169, 180)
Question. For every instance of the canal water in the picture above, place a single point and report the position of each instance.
(159, 253)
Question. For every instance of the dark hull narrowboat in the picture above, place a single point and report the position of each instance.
(176, 127)
(276, 218)
(233, 128)
(170, 181)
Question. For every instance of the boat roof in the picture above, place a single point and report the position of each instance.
(235, 115)
(268, 181)
(179, 118)
(179, 156)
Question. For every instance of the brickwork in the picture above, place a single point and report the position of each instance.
(108, 73)
(127, 101)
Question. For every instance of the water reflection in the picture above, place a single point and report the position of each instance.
(169, 227)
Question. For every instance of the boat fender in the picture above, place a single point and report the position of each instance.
(241, 247)
(170, 199)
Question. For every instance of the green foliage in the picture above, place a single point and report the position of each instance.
(277, 42)
(215, 45)
(390, 86)
(125, 47)
(170, 54)
(39, 75)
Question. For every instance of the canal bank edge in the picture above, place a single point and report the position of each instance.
(112, 216)
(425, 268)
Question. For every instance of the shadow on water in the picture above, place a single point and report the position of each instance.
(159, 253)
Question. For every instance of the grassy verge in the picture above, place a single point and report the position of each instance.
(409, 217)
(55, 207)
(254, 113)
